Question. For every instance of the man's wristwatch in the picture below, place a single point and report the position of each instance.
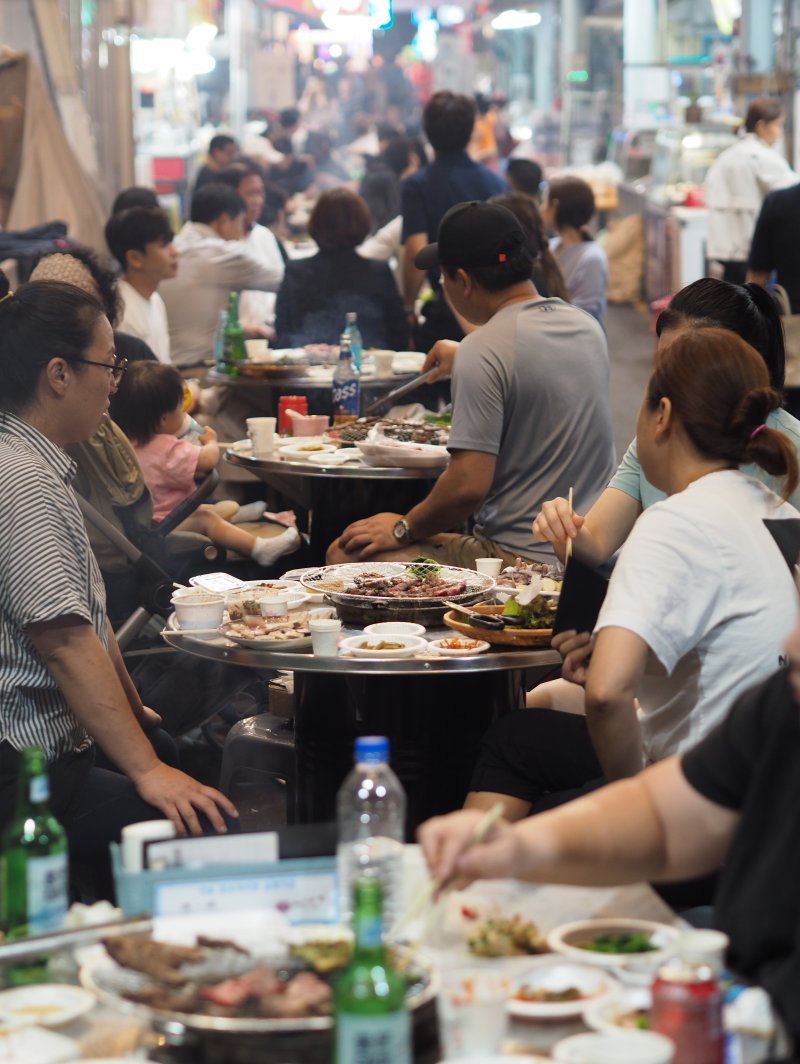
(402, 533)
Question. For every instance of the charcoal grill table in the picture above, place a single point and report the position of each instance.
(434, 711)
(337, 495)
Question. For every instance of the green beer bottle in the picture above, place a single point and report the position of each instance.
(372, 1024)
(33, 865)
(233, 349)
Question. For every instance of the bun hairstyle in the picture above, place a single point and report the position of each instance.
(720, 392)
(526, 211)
(748, 310)
(42, 320)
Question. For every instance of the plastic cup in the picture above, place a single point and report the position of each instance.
(472, 1012)
(275, 604)
(324, 636)
(134, 836)
(256, 349)
(261, 432)
(383, 361)
(489, 566)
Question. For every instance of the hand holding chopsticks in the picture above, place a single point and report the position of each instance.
(441, 884)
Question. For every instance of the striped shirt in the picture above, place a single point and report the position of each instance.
(47, 571)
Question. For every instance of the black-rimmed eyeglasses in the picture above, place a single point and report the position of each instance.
(117, 370)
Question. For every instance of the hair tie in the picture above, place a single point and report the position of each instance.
(5, 297)
(755, 432)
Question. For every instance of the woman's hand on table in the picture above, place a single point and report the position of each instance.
(576, 650)
(556, 523)
(371, 535)
(446, 842)
(180, 798)
(441, 357)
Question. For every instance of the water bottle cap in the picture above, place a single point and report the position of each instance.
(373, 749)
(351, 317)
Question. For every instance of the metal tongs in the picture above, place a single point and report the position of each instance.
(479, 620)
(404, 389)
(56, 941)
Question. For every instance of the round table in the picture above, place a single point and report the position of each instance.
(336, 495)
(434, 711)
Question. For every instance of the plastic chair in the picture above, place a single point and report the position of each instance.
(262, 745)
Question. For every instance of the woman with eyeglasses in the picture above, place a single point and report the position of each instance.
(63, 684)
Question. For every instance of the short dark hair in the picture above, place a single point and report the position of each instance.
(234, 174)
(135, 196)
(220, 141)
(524, 175)
(275, 200)
(103, 280)
(42, 320)
(448, 120)
(146, 392)
(762, 109)
(575, 201)
(340, 219)
(397, 154)
(516, 268)
(134, 229)
(211, 201)
(288, 117)
(747, 310)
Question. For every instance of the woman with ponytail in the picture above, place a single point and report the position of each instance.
(546, 275)
(701, 597)
(568, 209)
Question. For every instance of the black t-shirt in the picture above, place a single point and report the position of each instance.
(776, 238)
(751, 763)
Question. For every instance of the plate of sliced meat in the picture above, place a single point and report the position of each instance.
(423, 582)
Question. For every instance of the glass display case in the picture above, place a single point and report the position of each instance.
(681, 158)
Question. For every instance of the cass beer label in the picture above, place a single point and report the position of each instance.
(373, 1039)
(345, 398)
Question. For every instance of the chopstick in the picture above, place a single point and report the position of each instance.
(568, 553)
(423, 897)
(78, 936)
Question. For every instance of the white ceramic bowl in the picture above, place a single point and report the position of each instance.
(385, 628)
(466, 648)
(410, 645)
(196, 608)
(627, 1047)
(593, 983)
(567, 940)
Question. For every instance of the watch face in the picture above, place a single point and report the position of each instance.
(400, 532)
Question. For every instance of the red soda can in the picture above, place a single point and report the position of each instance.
(687, 1007)
(290, 402)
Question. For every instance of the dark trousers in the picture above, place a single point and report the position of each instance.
(732, 271)
(547, 758)
(91, 798)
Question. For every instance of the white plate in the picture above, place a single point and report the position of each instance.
(33, 1045)
(563, 940)
(594, 983)
(242, 446)
(306, 448)
(262, 643)
(460, 652)
(344, 456)
(390, 628)
(412, 644)
(603, 1015)
(47, 1004)
(624, 1047)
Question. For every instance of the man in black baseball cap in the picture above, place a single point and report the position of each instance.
(531, 414)
(473, 235)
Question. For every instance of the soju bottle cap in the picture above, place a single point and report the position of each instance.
(372, 749)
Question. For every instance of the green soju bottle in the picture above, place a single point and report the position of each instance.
(233, 349)
(372, 1024)
(33, 865)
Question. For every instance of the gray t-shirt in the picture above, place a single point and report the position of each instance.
(531, 387)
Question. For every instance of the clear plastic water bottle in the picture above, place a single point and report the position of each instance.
(345, 393)
(352, 330)
(371, 813)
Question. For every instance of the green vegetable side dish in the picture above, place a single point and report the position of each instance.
(424, 568)
(625, 942)
(538, 614)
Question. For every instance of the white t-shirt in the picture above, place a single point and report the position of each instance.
(145, 318)
(702, 581)
(256, 307)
